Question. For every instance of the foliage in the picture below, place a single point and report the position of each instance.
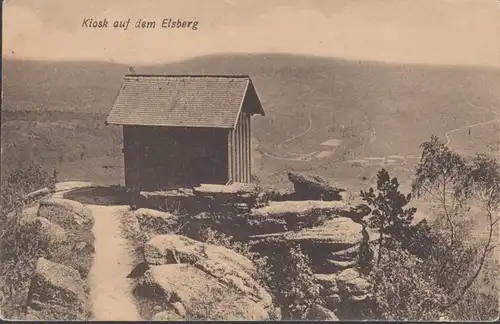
(20, 245)
(211, 236)
(404, 290)
(11, 201)
(389, 216)
(32, 178)
(289, 276)
(456, 184)
(480, 302)
(440, 175)
(437, 267)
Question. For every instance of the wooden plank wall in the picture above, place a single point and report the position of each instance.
(239, 146)
(248, 148)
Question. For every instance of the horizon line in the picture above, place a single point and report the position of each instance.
(242, 54)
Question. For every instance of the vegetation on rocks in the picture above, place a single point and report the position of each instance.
(436, 268)
(299, 259)
(58, 231)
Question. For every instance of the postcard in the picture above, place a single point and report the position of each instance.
(179, 160)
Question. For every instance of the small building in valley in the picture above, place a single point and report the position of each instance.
(185, 130)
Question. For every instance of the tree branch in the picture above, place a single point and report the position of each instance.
(469, 283)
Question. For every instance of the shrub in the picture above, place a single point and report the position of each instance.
(20, 245)
(290, 279)
(32, 178)
(402, 290)
(480, 302)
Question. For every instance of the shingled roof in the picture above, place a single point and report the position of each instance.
(184, 100)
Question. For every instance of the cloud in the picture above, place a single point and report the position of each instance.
(451, 34)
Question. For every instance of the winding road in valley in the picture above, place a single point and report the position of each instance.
(309, 156)
(497, 114)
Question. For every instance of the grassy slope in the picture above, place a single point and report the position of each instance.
(400, 105)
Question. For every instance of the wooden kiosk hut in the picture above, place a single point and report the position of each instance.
(183, 130)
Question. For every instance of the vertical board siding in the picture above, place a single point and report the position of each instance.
(233, 155)
(244, 149)
(239, 150)
(230, 156)
(126, 160)
(247, 156)
(249, 149)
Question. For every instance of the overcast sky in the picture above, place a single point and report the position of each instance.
(463, 32)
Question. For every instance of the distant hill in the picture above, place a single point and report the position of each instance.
(377, 109)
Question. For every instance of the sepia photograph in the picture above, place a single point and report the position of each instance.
(227, 160)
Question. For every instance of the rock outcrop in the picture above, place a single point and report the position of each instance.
(56, 292)
(229, 267)
(234, 198)
(66, 213)
(170, 200)
(46, 231)
(76, 220)
(185, 270)
(345, 292)
(353, 286)
(202, 295)
(155, 222)
(309, 186)
(60, 231)
(284, 216)
(320, 313)
(335, 235)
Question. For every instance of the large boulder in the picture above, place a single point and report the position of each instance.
(68, 214)
(77, 221)
(328, 283)
(228, 267)
(309, 186)
(281, 216)
(281, 194)
(202, 295)
(320, 313)
(156, 222)
(356, 297)
(352, 286)
(234, 198)
(57, 292)
(338, 233)
(46, 231)
(329, 290)
(346, 292)
(334, 235)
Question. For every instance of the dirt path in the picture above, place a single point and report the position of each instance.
(110, 290)
(473, 125)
